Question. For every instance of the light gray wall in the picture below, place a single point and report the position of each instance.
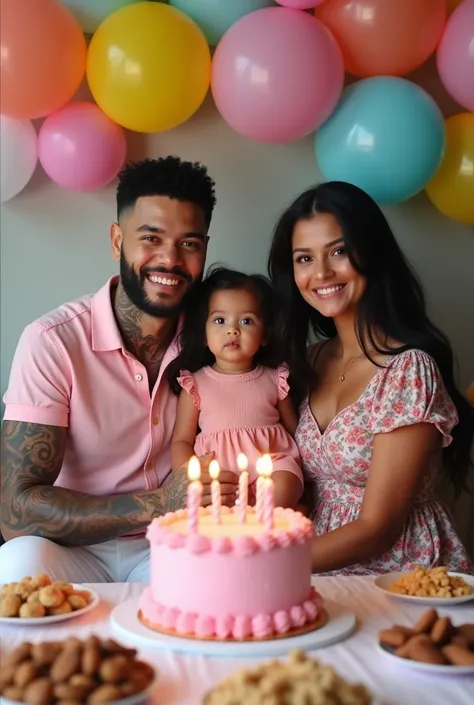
(55, 246)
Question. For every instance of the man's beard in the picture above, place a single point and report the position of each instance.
(133, 286)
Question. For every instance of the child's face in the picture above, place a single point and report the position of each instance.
(234, 328)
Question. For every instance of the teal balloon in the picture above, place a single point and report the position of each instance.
(91, 13)
(386, 135)
(215, 17)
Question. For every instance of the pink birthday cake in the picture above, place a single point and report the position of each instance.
(231, 580)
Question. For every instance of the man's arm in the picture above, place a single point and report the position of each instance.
(32, 457)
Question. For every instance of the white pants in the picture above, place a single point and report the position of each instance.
(124, 560)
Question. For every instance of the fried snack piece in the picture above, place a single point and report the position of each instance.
(300, 680)
(431, 582)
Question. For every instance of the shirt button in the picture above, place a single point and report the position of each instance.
(155, 421)
(139, 378)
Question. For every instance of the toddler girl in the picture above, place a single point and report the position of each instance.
(233, 396)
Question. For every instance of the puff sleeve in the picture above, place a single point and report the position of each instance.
(188, 383)
(411, 391)
(283, 387)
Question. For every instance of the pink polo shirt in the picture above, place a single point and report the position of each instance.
(71, 369)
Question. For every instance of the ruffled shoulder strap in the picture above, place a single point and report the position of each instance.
(282, 373)
(188, 383)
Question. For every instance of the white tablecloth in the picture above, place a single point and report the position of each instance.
(184, 679)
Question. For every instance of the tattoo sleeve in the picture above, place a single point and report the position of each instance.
(32, 457)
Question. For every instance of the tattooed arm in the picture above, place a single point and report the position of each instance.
(32, 457)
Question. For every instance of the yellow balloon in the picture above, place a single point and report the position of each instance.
(452, 188)
(452, 5)
(149, 67)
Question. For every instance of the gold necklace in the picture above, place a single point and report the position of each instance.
(342, 376)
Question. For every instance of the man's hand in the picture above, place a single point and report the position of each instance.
(228, 481)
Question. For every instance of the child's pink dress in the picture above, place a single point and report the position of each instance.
(238, 414)
(336, 463)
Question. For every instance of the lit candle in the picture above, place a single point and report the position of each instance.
(194, 494)
(243, 463)
(268, 496)
(262, 465)
(214, 470)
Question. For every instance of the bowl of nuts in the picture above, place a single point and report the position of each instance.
(300, 679)
(434, 586)
(41, 598)
(90, 672)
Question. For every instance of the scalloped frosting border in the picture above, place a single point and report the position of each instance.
(237, 627)
(299, 532)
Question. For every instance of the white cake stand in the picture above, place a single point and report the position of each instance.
(125, 623)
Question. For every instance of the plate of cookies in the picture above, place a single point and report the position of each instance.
(41, 600)
(433, 643)
(434, 586)
(92, 671)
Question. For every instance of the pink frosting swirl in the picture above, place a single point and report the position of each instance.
(223, 544)
(186, 623)
(224, 626)
(205, 626)
(298, 616)
(310, 609)
(170, 617)
(283, 538)
(262, 625)
(196, 543)
(267, 542)
(173, 539)
(281, 622)
(317, 599)
(155, 533)
(245, 546)
(242, 627)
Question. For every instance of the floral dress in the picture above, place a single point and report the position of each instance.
(336, 463)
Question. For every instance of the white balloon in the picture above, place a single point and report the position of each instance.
(18, 155)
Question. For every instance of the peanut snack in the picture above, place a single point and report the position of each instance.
(432, 639)
(92, 671)
(41, 597)
(431, 582)
(301, 680)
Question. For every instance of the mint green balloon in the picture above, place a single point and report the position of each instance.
(91, 13)
(215, 17)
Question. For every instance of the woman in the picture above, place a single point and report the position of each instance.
(380, 411)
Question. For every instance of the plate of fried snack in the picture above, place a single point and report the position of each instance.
(92, 671)
(433, 643)
(40, 600)
(299, 679)
(434, 586)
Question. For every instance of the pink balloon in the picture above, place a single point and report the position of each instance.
(277, 75)
(300, 4)
(80, 148)
(455, 55)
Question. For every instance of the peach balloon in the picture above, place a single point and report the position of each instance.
(384, 37)
(43, 57)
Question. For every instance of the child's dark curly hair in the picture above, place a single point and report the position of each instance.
(167, 176)
(194, 351)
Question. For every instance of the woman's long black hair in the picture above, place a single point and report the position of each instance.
(392, 307)
(194, 352)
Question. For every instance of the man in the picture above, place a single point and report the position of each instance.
(89, 415)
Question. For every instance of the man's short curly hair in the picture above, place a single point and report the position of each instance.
(167, 176)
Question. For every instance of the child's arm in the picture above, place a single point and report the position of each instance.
(287, 488)
(185, 431)
(288, 416)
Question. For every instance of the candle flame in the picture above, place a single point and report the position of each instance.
(214, 469)
(242, 462)
(264, 465)
(194, 469)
